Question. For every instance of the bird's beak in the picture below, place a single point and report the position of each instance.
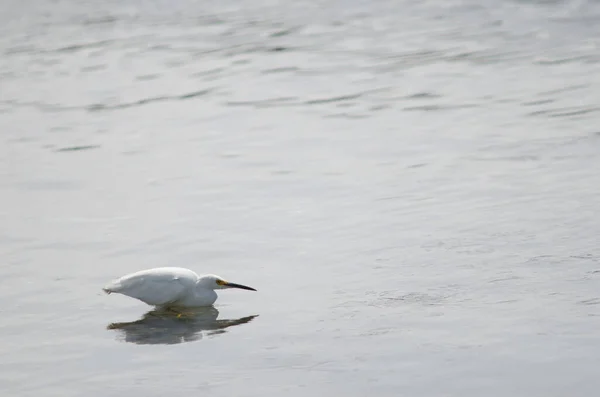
(240, 286)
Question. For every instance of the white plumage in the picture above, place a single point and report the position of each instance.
(171, 286)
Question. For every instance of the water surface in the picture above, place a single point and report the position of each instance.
(412, 187)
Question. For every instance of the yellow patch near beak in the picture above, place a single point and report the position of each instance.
(221, 282)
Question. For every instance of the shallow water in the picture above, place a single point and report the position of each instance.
(412, 187)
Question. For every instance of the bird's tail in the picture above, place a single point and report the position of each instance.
(113, 286)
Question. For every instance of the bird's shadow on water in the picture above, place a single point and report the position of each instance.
(172, 326)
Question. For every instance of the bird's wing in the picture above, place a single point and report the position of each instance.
(151, 290)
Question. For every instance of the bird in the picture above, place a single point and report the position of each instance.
(171, 287)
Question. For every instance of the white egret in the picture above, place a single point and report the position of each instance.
(171, 286)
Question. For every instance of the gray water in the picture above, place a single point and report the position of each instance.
(412, 186)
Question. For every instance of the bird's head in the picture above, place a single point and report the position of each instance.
(212, 281)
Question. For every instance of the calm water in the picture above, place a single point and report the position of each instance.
(412, 186)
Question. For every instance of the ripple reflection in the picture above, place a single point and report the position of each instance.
(168, 326)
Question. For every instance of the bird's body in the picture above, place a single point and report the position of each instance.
(171, 286)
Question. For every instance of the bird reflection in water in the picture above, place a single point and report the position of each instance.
(171, 326)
